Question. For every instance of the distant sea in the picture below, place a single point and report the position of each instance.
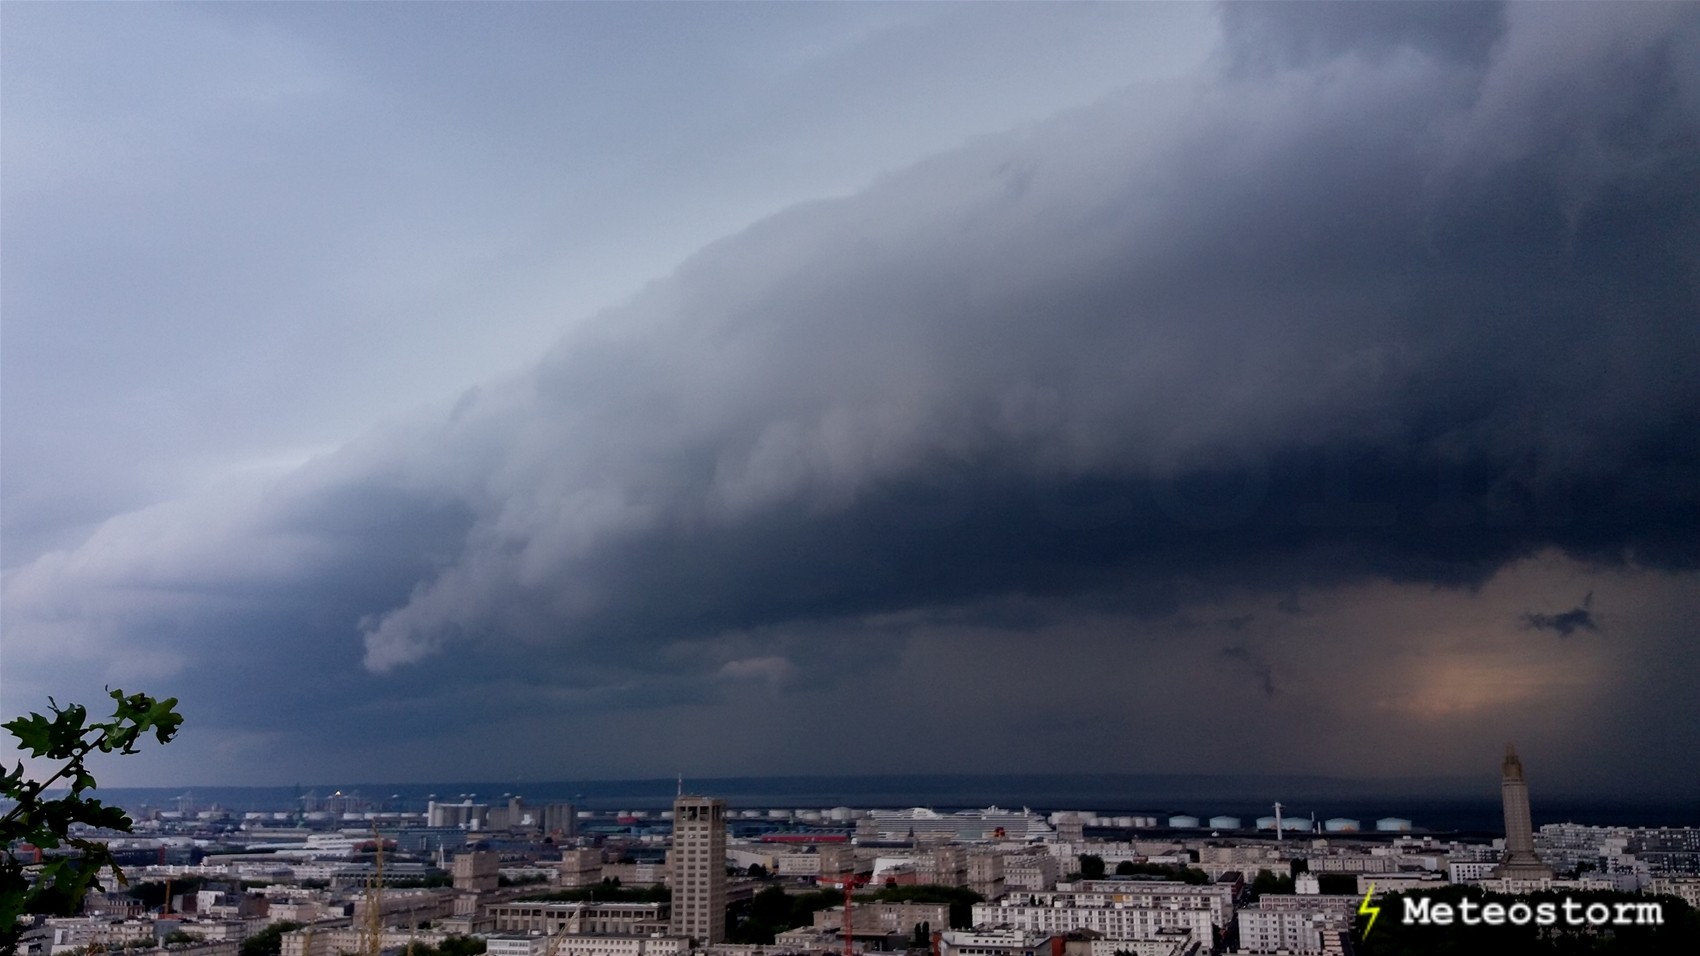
(1440, 806)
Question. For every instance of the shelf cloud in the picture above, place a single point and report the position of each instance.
(1392, 297)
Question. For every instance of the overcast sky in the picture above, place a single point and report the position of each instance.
(429, 392)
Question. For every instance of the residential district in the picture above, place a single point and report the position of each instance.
(339, 874)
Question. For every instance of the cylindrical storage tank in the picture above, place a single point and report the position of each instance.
(1124, 821)
(841, 814)
(779, 814)
(1393, 825)
(1183, 822)
(812, 816)
(1340, 825)
(1266, 823)
(1224, 823)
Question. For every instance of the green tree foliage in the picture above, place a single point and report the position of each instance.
(268, 941)
(1183, 874)
(774, 911)
(452, 946)
(1678, 934)
(66, 740)
(1091, 867)
(961, 900)
(1268, 882)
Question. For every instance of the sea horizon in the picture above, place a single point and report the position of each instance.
(1433, 804)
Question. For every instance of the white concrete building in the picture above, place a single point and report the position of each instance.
(1064, 914)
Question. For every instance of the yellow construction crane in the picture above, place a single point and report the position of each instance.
(555, 940)
(374, 941)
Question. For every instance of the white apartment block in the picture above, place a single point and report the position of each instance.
(995, 942)
(75, 932)
(1688, 888)
(1219, 897)
(656, 945)
(1064, 914)
(1470, 871)
(1037, 872)
(796, 864)
(1290, 931)
(515, 944)
(1353, 863)
(330, 942)
(1173, 943)
(1399, 882)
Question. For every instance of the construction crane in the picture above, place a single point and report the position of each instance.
(849, 881)
(555, 941)
(374, 941)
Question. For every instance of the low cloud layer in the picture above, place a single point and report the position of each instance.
(1393, 304)
(1578, 618)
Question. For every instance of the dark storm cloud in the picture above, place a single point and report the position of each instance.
(1274, 35)
(1392, 317)
(1256, 663)
(1578, 618)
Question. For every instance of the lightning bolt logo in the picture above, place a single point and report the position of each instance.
(1364, 909)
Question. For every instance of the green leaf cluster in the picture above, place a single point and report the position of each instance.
(67, 738)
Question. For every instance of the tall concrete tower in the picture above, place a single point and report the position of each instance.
(1520, 861)
(699, 868)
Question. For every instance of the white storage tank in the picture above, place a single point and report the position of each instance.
(1183, 822)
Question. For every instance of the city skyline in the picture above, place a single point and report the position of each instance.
(445, 392)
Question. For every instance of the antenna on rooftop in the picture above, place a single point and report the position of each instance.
(681, 785)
